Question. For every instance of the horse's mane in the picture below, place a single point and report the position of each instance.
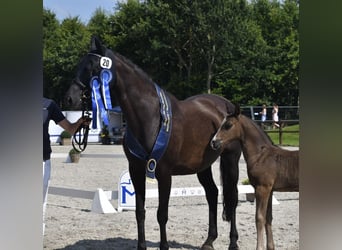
(260, 130)
(134, 67)
(139, 71)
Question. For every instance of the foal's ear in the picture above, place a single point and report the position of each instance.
(237, 109)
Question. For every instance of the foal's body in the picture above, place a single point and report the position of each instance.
(269, 167)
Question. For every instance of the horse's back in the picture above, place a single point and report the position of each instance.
(209, 99)
(202, 113)
(195, 121)
(285, 164)
(205, 105)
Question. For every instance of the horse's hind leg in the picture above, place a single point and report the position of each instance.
(211, 192)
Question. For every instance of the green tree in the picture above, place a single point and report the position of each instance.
(50, 40)
(176, 34)
(279, 25)
(130, 30)
(240, 63)
(63, 45)
(139, 34)
(247, 51)
(73, 44)
(100, 25)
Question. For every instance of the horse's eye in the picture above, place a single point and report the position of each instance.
(227, 125)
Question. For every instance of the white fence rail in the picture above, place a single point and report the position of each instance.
(125, 195)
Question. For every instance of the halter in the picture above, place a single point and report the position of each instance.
(79, 140)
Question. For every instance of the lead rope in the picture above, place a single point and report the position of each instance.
(80, 138)
(79, 142)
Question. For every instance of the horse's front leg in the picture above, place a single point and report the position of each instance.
(138, 180)
(229, 166)
(164, 188)
(233, 235)
(211, 192)
(262, 194)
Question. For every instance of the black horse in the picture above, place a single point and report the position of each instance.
(164, 137)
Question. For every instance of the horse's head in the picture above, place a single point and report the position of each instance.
(228, 131)
(89, 66)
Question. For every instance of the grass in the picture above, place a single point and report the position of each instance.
(288, 139)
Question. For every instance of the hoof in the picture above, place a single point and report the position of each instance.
(207, 247)
(164, 247)
(141, 248)
(236, 247)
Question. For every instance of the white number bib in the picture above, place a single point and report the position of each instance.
(105, 62)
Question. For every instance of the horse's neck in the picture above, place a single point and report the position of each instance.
(139, 102)
(254, 141)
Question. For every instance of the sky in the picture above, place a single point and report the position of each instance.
(82, 8)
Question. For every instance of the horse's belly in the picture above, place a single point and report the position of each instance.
(185, 170)
(195, 165)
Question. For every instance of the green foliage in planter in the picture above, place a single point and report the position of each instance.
(74, 151)
(104, 132)
(245, 182)
(65, 134)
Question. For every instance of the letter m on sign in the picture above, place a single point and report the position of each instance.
(126, 199)
(125, 191)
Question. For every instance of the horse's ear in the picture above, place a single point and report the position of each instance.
(95, 44)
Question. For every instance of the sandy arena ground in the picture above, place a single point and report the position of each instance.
(70, 224)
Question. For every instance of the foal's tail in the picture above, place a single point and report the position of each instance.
(229, 166)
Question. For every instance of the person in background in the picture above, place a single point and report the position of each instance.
(275, 116)
(51, 111)
(263, 113)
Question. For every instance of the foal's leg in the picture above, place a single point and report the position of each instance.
(269, 234)
(211, 192)
(138, 180)
(164, 188)
(262, 194)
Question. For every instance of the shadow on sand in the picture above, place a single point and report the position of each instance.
(120, 244)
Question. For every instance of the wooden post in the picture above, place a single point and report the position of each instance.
(280, 134)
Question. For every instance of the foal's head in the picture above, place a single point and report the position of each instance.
(229, 130)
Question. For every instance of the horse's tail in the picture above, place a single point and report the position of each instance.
(229, 166)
